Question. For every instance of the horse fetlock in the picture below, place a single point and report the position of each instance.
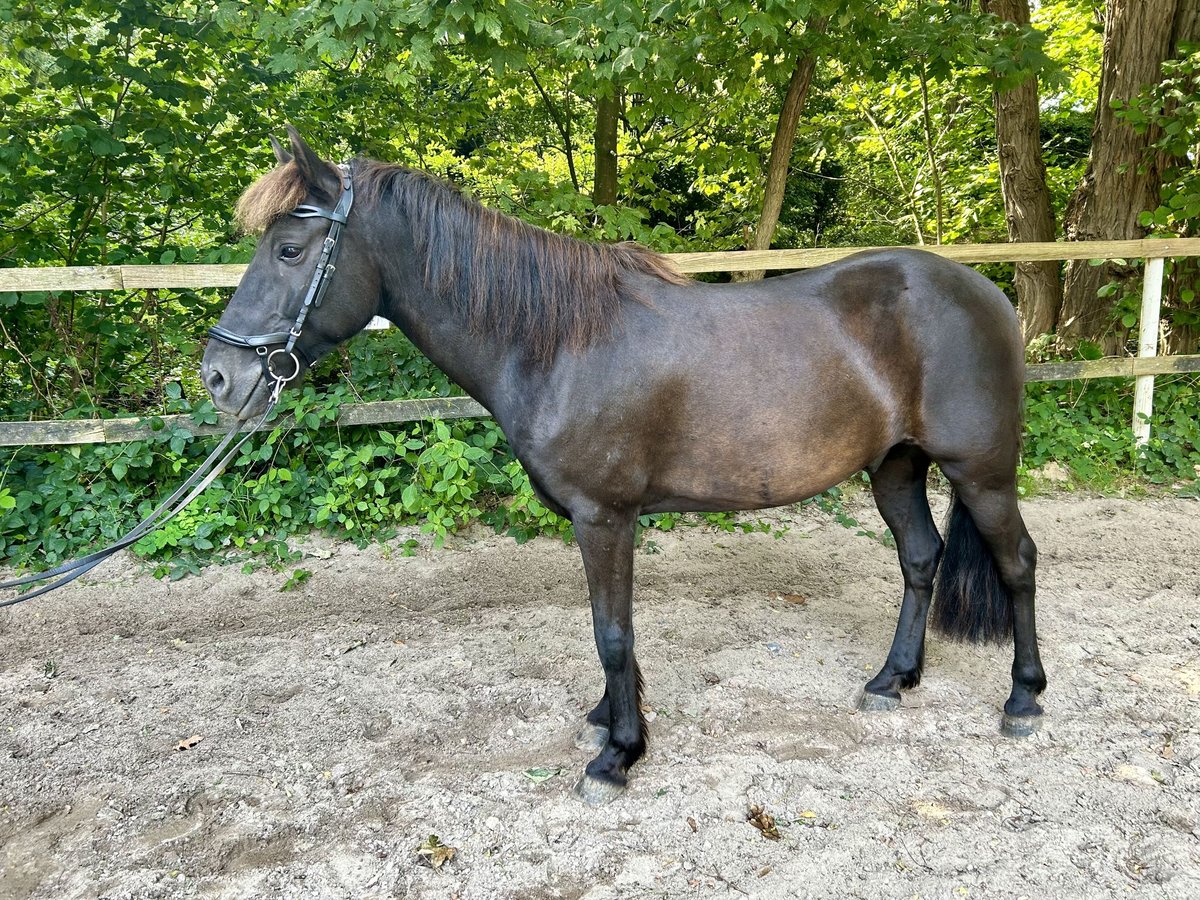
(627, 751)
(617, 756)
(1030, 678)
(891, 681)
(610, 765)
(1022, 704)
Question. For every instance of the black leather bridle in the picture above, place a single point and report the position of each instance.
(220, 457)
(322, 275)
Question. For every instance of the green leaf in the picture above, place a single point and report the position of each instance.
(409, 497)
(540, 774)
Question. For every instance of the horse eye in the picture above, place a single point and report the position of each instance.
(290, 251)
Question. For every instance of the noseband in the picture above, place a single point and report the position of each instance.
(322, 275)
(227, 450)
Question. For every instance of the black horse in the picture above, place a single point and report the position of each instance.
(625, 388)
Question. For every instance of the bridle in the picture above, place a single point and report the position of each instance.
(322, 275)
(223, 454)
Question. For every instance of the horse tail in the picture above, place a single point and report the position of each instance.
(970, 602)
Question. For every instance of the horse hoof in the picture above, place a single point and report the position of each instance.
(870, 702)
(591, 738)
(1019, 726)
(596, 791)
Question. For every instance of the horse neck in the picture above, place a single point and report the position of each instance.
(438, 326)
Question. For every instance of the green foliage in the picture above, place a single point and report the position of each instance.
(123, 140)
(1085, 426)
(523, 516)
(297, 578)
(356, 484)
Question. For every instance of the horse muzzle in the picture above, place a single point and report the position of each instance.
(241, 380)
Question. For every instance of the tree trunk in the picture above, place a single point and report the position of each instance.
(1027, 205)
(935, 171)
(1122, 179)
(1184, 273)
(563, 124)
(608, 112)
(781, 149)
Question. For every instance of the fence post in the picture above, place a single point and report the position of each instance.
(1148, 328)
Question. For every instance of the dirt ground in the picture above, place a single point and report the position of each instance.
(390, 698)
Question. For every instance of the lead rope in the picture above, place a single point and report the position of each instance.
(196, 484)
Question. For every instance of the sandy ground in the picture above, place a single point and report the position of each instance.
(389, 699)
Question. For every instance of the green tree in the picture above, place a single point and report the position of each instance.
(123, 139)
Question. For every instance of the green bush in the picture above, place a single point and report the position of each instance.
(1085, 426)
(359, 483)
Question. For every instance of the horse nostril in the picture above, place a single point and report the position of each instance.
(214, 380)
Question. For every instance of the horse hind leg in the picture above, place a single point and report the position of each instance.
(986, 587)
(898, 485)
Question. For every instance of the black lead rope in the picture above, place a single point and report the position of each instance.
(220, 457)
(199, 481)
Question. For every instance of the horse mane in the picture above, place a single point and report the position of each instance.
(515, 281)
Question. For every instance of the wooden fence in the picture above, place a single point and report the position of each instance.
(1143, 368)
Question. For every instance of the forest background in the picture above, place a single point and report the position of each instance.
(128, 130)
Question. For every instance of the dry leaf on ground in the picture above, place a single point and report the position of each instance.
(764, 822)
(790, 598)
(434, 853)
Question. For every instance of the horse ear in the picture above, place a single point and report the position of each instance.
(281, 155)
(317, 174)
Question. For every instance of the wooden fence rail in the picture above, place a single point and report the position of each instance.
(1143, 368)
(130, 278)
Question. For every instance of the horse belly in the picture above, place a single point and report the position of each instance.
(767, 461)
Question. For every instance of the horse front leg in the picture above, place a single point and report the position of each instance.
(606, 542)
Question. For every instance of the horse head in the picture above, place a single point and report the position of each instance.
(289, 309)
